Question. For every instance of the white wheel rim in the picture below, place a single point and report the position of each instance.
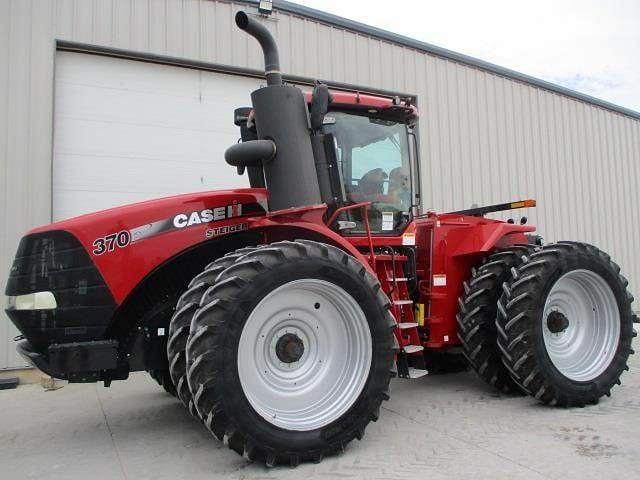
(586, 346)
(325, 381)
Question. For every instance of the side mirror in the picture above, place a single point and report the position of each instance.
(319, 105)
(241, 116)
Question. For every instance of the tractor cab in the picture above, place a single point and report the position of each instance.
(365, 151)
(375, 150)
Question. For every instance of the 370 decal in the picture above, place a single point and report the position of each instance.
(179, 222)
(110, 242)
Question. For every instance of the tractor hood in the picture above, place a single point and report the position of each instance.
(126, 243)
(148, 210)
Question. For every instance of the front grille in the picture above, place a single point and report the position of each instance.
(56, 261)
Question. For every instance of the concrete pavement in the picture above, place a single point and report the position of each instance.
(437, 427)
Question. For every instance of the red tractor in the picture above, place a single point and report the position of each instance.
(279, 313)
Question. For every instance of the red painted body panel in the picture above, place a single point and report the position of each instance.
(123, 268)
(278, 226)
(341, 97)
(448, 247)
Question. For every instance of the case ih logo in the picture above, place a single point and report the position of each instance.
(110, 243)
(207, 215)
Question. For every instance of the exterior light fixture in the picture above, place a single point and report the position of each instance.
(265, 7)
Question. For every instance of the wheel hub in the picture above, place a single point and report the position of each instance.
(289, 348)
(557, 322)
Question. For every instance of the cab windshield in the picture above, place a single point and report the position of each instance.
(374, 158)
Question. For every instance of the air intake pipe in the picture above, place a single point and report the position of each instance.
(282, 117)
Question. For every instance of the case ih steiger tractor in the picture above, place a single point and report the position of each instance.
(279, 313)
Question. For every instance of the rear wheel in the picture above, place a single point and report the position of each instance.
(290, 355)
(566, 325)
(180, 323)
(477, 316)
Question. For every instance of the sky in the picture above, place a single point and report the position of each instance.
(592, 46)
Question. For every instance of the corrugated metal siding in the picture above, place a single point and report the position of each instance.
(485, 138)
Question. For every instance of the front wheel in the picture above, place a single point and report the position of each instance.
(565, 324)
(289, 356)
(187, 306)
(163, 378)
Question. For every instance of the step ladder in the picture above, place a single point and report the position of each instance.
(410, 356)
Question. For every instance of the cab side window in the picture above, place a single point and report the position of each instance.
(374, 157)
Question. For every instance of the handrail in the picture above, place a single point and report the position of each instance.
(344, 209)
(365, 215)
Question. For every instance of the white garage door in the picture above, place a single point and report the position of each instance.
(126, 131)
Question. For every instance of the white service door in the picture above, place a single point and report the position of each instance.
(126, 131)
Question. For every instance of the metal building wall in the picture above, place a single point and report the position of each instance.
(485, 138)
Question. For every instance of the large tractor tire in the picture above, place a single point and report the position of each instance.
(155, 318)
(291, 353)
(187, 305)
(565, 324)
(477, 315)
(163, 379)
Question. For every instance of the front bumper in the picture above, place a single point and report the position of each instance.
(76, 362)
(36, 359)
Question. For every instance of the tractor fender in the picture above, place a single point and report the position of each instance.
(148, 307)
(304, 223)
(482, 238)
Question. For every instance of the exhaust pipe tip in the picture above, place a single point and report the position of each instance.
(242, 20)
(269, 48)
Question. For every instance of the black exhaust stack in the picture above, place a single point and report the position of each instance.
(268, 44)
(282, 118)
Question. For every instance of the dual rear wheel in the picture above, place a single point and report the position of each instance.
(554, 322)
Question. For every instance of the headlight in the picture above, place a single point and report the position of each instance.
(32, 301)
